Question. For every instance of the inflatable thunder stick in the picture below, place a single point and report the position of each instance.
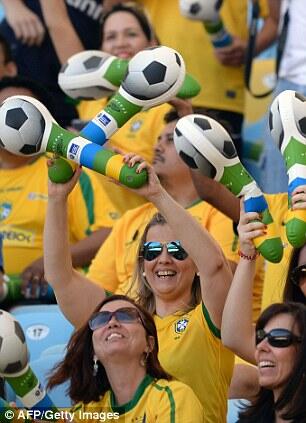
(27, 128)
(287, 121)
(94, 74)
(204, 144)
(207, 11)
(153, 77)
(14, 365)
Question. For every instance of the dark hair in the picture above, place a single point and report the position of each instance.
(145, 296)
(293, 292)
(172, 115)
(77, 366)
(291, 404)
(36, 88)
(138, 14)
(7, 52)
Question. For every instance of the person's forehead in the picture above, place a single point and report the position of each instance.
(116, 304)
(161, 233)
(283, 320)
(10, 91)
(120, 20)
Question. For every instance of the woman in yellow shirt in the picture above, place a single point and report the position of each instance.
(114, 371)
(184, 282)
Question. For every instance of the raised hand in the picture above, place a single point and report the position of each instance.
(26, 25)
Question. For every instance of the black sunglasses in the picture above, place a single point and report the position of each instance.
(297, 273)
(151, 250)
(122, 315)
(279, 338)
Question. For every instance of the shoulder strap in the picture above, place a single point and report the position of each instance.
(251, 48)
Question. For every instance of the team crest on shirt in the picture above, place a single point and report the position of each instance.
(135, 126)
(181, 325)
(5, 210)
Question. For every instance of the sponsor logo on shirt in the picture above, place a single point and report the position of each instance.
(92, 8)
(181, 325)
(16, 237)
(37, 196)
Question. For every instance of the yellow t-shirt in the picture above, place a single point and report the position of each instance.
(190, 349)
(23, 202)
(275, 275)
(139, 136)
(222, 86)
(114, 263)
(159, 401)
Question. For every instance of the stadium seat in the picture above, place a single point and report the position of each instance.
(44, 326)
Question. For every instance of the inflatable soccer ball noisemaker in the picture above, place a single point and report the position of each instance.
(27, 128)
(205, 145)
(15, 368)
(287, 122)
(41, 133)
(94, 74)
(207, 11)
(153, 77)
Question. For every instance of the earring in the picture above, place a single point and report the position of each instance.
(144, 274)
(95, 366)
(144, 359)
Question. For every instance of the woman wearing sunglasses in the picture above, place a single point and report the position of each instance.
(183, 280)
(295, 286)
(277, 345)
(114, 373)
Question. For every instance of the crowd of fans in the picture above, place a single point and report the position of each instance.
(174, 309)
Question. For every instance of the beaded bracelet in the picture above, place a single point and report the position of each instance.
(246, 257)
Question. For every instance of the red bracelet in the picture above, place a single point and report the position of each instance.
(246, 257)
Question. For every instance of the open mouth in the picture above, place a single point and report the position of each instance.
(165, 274)
(114, 335)
(265, 364)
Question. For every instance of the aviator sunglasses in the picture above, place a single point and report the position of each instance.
(151, 250)
(279, 338)
(297, 273)
(122, 315)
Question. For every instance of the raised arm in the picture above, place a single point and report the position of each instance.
(237, 329)
(77, 296)
(215, 272)
(62, 33)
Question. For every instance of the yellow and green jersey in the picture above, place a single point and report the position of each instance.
(191, 40)
(23, 203)
(190, 349)
(159, 401)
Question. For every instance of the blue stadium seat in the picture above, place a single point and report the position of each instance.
(44, 326)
